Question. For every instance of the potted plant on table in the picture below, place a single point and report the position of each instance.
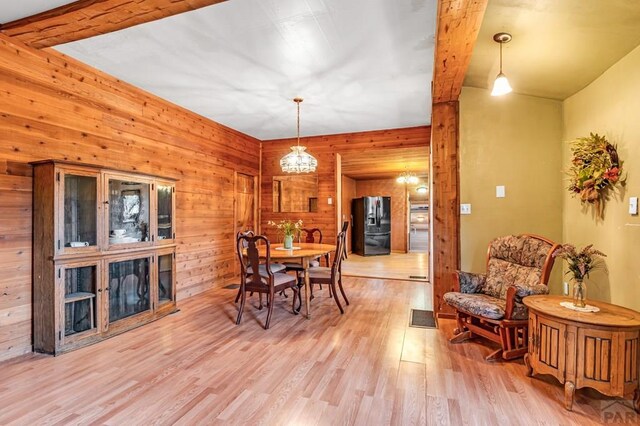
(288, 229)
(580, 264)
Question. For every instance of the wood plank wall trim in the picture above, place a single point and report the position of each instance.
(87, 18)
(54, 107)
(325, 148)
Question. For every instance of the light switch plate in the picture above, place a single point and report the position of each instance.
(330, 201)
(500, 191)
(633, 205)
(465, 208)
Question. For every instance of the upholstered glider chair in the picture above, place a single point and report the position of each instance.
(490, 305)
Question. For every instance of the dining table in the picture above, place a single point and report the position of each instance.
(304, 253)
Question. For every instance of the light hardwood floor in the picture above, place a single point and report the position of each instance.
(365, 367)
(395, 266)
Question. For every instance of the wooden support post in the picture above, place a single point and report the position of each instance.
(445, 215)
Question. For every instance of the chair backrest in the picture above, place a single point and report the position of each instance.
(247, 247)
(337, 260)
(518, 259)
(310, 235)
(345, 227)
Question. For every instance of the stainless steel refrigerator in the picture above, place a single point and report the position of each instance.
(371, 229)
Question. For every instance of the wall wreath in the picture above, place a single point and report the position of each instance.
(595, 170)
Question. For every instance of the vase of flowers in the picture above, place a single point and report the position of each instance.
(288, 229)
(580, 264)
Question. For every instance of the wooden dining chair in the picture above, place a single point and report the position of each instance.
(311, 235)
(268, 283)
(345, 228)
(331, 276)
(275, 267)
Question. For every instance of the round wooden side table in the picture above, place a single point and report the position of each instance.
(599, 350)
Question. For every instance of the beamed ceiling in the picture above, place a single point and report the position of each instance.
(359, 64)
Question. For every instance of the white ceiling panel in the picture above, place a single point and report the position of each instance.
(359, 64)
(10, 10)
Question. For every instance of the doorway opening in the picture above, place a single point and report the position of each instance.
(388, 235)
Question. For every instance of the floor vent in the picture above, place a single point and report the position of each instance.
(418, 277)
(232, 286)
(423, 319)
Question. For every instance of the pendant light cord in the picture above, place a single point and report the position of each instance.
(501, 43)
(298, 102)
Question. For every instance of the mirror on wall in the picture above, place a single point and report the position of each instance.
(295, 193)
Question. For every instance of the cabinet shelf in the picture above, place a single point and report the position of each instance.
(76, 297)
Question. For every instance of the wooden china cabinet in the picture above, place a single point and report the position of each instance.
(103, 253)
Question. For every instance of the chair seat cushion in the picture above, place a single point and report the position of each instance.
(296, 266)
(279, 278)
(481, 305)
(262, 269)
(320, 272)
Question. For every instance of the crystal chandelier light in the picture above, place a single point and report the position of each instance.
(298, 160)
(406, 177)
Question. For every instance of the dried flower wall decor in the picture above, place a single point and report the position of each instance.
(595, 170)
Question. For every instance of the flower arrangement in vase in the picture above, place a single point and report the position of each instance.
(595, 170)
(288, 229)
(580, 264)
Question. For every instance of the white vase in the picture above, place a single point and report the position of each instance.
(288, 242)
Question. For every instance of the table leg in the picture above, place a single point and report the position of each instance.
(569, 390)
(307, 286)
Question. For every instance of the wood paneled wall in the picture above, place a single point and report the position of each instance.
(389, 188)
(325, 148)
(54, 107)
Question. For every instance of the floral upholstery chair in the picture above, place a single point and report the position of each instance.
(490, 305)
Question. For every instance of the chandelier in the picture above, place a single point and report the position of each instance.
(298, 160)
(407, 177)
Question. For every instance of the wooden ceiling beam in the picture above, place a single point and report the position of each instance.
(87, 18)
(458, 26)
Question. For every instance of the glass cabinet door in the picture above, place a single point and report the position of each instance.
(80, 210)
(165, 279)
(165, 211)
(80, 285)
(129, 207)
(128, 288)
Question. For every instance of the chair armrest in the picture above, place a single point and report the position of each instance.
(470, 283)
(524, 291)
(514, 296)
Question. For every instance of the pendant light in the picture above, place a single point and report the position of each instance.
(298, 160)
(501, 86)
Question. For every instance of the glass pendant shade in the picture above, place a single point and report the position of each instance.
(501, 86)
(421, 189)
(298, 161)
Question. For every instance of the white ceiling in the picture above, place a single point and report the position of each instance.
(558, 47)
(359, 64)
(10, 10)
